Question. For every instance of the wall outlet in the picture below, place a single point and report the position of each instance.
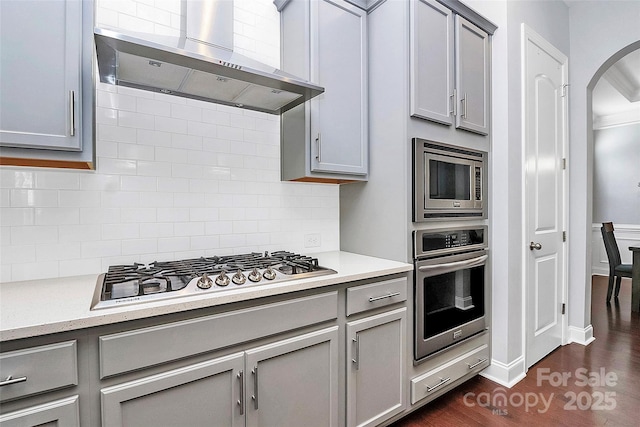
(311, 240)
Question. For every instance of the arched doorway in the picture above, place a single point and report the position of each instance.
(590, 126)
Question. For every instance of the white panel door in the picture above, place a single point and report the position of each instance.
(545, 141)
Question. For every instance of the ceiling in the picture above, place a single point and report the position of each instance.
(616, 97)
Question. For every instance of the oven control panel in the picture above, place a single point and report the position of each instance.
(443, 241)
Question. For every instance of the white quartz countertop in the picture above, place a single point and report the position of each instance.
(40, 307)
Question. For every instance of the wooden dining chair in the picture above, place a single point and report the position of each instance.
(617, 270)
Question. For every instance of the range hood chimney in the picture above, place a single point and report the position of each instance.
(200, 64)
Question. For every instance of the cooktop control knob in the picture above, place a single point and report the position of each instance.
(255, 276)
(204, 282)
(239, 278)
(269, 274)
(222, 279)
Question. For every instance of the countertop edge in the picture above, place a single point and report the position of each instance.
(82, 319)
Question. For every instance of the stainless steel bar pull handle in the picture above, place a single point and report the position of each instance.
(536, 246)
(254, 371)
(356, 359)
(318, 152)
(72, 113)
(389, 295)
(454, 102)
(442, 382)
(10, 380)
(479, 362)
(463, 101)
(241, 400)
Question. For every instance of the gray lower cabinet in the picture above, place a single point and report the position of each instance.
(63, 413)
(294, 382)
(202, 394)
(376, 368)
(326, 139)
(449, 68)
(46, 90)
(286, 383)
(32, 374)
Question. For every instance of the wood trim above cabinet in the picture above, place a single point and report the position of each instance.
(44, 163)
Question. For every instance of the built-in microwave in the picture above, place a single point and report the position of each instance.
(448, 181)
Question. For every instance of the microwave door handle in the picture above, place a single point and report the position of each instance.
(443, 268)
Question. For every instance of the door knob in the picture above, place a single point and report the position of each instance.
(536, 246)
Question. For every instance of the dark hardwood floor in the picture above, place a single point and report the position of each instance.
(604, 387)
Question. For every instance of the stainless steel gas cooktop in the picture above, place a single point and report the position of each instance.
(137, 283)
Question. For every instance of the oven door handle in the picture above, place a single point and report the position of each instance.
(452, 266)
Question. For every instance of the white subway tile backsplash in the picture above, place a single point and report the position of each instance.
(57, 180)
(120, 231)
(139, 246)
(135, 152)
(34, 270)
(19, 198)
(139, 183)
(101, 248)
(78, 198)
(156, 229)
(33, 235)
(17, 216)
(57, 216)
(175, 177)
(58, 251)
(173, 244)
(138, 215)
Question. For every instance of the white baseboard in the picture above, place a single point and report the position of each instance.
(582, 336)
(506, 375)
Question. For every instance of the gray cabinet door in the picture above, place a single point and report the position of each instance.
(64, 413)
(472, 77)
(294, 382)
(207, 393)
(432, 77)
(40, 65)
(376, 354)
(339, 63)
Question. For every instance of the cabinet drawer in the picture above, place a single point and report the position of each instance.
(440, 378)
(141, 348)
(379, 294)
(45, 368)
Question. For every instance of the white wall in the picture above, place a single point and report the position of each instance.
(175, 178)
(616, 175)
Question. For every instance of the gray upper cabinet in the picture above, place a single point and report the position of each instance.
(449, 68)
(45, 96)
(432, 77)
(326, 139)
(472, 77)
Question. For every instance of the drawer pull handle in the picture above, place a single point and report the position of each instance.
(442, 382)
(390, 295)
(479, 362)
(10, 380)
(241, 400)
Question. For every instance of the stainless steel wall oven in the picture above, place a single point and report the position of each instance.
(448, 181)
(450, 284)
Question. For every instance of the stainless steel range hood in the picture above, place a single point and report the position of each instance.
(199, 65)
